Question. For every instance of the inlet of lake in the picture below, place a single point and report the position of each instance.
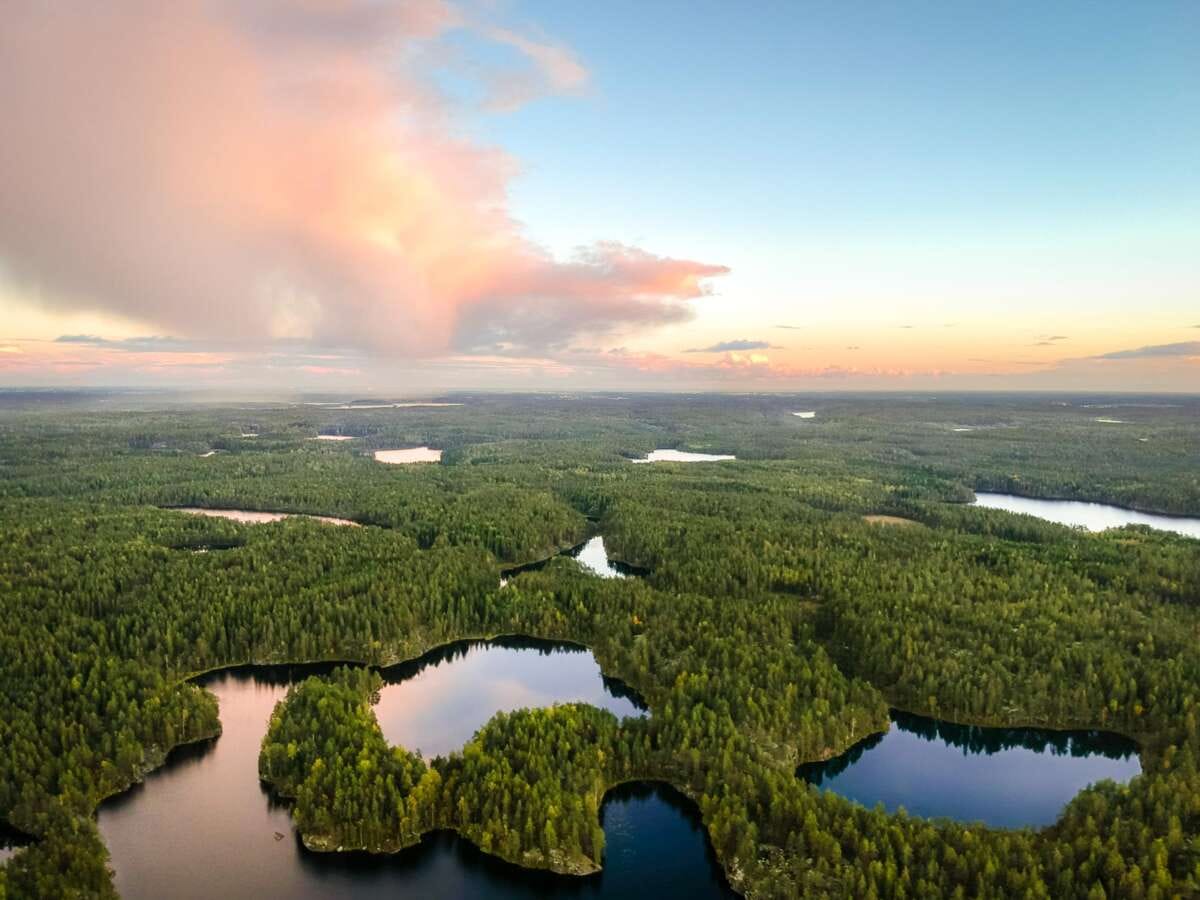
(205, 826)
(591, 555)
(1092, 516)
(1003, 777)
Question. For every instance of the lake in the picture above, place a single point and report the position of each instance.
(255, 517)
(1092, 516)
(592, 555)
(411, 455)
(204, 825)
(682, 456)
(11, 843)
(1004, 777)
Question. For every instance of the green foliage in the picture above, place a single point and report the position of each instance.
(527, 787)
(774, 626)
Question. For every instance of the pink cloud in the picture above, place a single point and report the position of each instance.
(268, 170)
(554, 68)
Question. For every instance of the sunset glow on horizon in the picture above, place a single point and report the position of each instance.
(358, 195)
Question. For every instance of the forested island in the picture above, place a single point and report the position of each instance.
(775, 622)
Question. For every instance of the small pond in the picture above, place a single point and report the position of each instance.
(1004, 777)
(255, 517)
(591, 555)
(1092, 516)
(411, 455)
(204, 826)
(683, 456)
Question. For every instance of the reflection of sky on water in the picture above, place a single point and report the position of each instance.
(205, 826)
(1092, 516)
(594, 558)
(682, 456)
(441, 707)
(1003, 785)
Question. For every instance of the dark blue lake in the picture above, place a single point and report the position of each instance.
(1004, 777)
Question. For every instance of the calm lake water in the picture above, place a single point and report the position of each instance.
(1092, 516)
(1005, 777)
(592, 555)
(411, 455)
(204, 826)
(682, 456)
(255, 517)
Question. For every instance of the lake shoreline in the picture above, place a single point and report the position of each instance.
(1121, 506)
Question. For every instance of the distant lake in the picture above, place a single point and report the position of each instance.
(255, 517)
(1092, 516)
(204, 826)
(411, 455)
(1004, 777)
(592, 555)
(682, 456)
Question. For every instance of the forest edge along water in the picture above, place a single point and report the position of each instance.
(1092, 516)
(1003, 777)
(228, 840)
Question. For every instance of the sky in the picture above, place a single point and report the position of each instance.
(422, 196)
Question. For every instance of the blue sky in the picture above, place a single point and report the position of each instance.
(797, 117)
(927, 189)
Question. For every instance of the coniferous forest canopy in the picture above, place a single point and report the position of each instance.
(775, 625)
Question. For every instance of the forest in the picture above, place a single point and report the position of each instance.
(775, 625)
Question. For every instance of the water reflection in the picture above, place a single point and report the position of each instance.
(436, 703)
(1092, 516)
(205, 826)
(11, 842)
(411, 455)
(256, 517)
(1006, 777)
(592, 555)
(683, 456)
(655, 846)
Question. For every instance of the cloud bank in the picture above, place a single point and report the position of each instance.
(288, 169)
(727, 346)
(1155, 351)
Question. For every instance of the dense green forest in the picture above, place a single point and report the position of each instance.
(775, 625)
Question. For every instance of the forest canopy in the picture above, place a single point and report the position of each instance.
(774, 626)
